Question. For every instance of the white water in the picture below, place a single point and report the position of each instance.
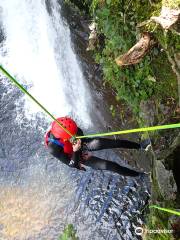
(38, 51)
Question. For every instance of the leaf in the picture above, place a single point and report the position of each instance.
(111, 107)
(105, 12)
(68, 233)
(151, 78)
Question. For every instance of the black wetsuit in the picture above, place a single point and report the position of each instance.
(95, 144)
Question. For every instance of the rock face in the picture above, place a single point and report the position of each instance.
(148, 111)
(167, 18)
(166, 182)
(93, 37)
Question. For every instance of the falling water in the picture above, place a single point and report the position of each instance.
(38, 50)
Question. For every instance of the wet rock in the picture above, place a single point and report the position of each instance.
(165, 154)
(93, 37)
(148, 111)
(174, 224)
(166, 182)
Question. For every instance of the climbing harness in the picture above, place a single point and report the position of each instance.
(73, 137)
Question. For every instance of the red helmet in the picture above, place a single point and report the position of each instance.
(67, 123)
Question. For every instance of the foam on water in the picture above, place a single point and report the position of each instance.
(38, 51)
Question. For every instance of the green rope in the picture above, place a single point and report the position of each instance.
(145, 129)
(27, 93)
(166, 210)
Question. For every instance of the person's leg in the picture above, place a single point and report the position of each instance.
(101, 164)
(105, 143)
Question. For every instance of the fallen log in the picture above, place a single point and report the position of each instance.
(137, 52)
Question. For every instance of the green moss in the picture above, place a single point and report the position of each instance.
(153, 76)
(171, 3)
(158, 220)
(166, 82)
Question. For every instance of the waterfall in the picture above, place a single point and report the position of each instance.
(37, 49)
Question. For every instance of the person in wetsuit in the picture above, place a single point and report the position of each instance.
(74, 154)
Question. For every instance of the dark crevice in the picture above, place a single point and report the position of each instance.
(176, 167)
(172, 162)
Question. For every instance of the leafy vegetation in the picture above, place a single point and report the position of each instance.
(69, 233)
(160, 220)
(152, 77)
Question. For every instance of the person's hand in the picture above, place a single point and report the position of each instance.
(77, 145)
(86, 156)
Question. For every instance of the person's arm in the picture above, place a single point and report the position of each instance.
(58, 153)
(76, 157)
